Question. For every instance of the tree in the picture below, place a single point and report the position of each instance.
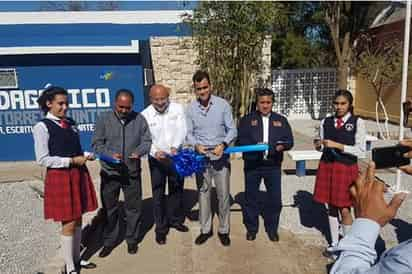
(345, 19)
(380, 63)
(229, 37)
(302, 41)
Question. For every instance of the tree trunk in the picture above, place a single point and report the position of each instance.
(343, 76)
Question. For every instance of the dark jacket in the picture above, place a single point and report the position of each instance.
(112, 136)
(251, 132)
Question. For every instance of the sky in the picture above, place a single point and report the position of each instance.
(95, 5)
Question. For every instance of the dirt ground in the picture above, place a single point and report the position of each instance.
(292, 254)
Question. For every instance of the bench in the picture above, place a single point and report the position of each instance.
(301, 156)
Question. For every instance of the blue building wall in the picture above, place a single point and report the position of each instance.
(84, 34)
(92, 79)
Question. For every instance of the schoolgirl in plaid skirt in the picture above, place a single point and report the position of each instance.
(68, 189)
(342, 140)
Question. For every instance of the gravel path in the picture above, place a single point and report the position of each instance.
(27, 241)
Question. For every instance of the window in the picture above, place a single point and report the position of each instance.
(8, 78)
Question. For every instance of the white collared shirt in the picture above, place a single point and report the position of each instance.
(359, 149)
(265, 121)
(41, 145)
(168, 129)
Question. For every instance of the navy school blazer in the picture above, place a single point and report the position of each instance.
(250, 132)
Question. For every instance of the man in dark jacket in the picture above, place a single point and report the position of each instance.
(124, 135)
(264, 126)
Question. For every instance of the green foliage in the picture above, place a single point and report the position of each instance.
(379, 62)
(303, 41)
(345, 20)
(229, 37)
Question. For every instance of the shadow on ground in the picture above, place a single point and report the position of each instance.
(312, 214)
(403, 230)
(92, 236)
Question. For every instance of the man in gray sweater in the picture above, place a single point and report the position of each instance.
(124, 135)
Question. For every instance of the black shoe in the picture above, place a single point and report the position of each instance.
(63, 271)
(160, 238)
(224, 238)
(203, 237)
(87, 265)
(180, 227)
(250, 236)
(106, 251)
(132, 248)
(274, 237)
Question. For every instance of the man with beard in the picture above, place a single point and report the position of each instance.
(122, 134)
(168, 129)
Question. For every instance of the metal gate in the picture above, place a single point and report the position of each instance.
(304, 93)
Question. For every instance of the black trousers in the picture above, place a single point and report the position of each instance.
(272, 202)
(166, 214)
(132, 190)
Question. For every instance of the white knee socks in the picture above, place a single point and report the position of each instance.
(346, 229)
(334, 229)
(67, 252)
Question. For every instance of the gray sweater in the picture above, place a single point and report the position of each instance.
(113, 136)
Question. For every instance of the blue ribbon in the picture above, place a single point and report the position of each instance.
(248, 148)
(107, 159)
(188, 162)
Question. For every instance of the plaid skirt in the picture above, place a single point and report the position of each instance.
(68, 193)
(333, 180)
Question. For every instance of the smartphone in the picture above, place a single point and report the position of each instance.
(386, 157)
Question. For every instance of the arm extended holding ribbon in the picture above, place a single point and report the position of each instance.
(188, 162)
(102, 157)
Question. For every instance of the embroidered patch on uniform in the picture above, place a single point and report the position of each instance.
(349, 127)
(254, 123)
(277, 123)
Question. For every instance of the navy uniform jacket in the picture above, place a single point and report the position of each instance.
(251, 132)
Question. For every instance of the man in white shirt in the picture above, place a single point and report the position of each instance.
(168, 128)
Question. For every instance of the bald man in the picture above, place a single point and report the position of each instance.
(168, 129)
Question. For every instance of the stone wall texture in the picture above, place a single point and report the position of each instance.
(174, 64)
(174, 60)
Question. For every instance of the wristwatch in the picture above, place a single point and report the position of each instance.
(225, 145)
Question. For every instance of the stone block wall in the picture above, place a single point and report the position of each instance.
(173, 60)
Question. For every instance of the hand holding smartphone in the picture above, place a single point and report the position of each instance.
(391, 156)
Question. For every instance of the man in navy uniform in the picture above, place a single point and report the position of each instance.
(264, 126)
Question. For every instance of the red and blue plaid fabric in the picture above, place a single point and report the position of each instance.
(333, 180)
(68, 193)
